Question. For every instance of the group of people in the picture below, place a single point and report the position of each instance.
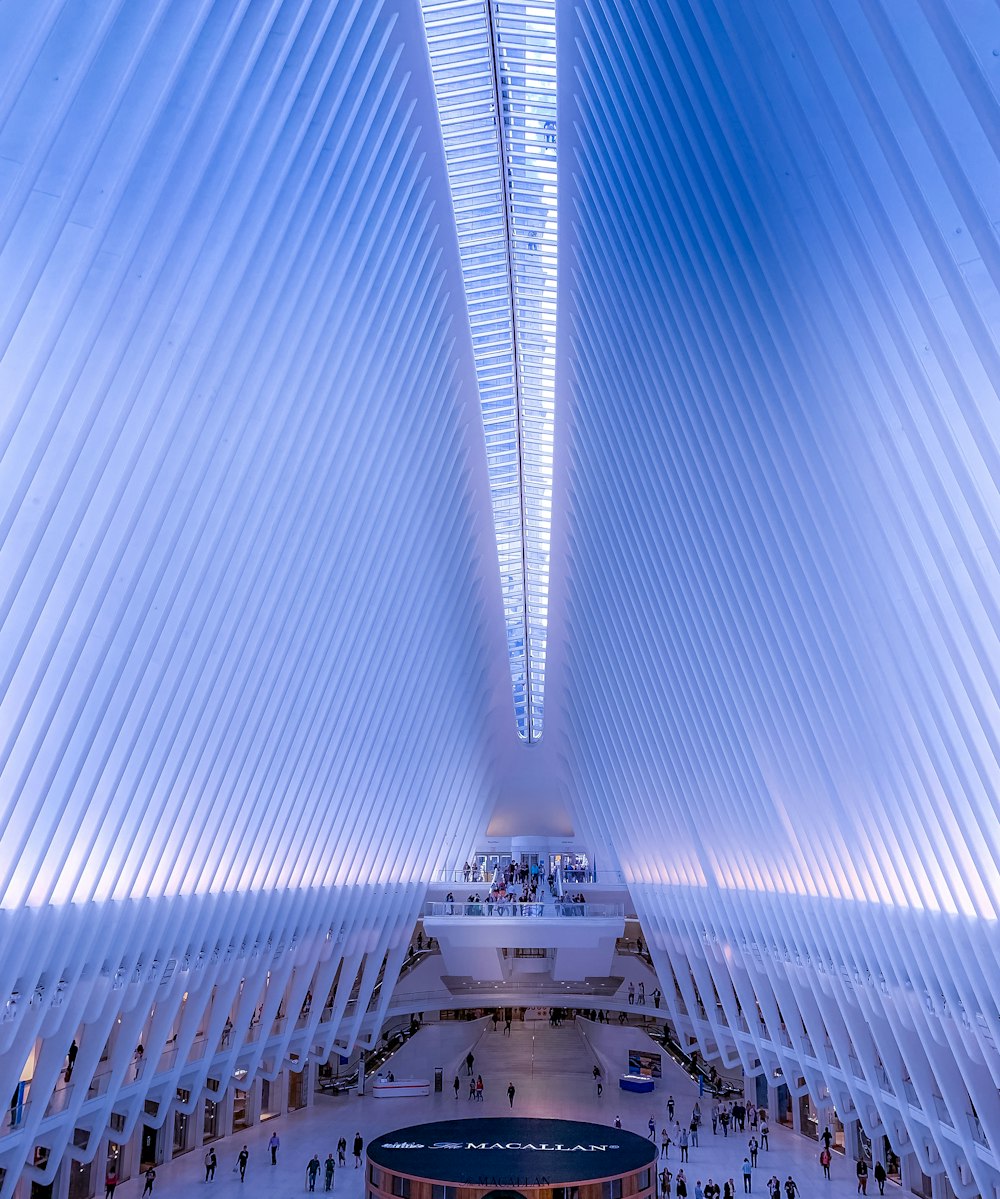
(633, 994)
(314, 1168)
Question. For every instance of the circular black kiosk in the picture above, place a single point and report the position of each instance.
(515, 1159)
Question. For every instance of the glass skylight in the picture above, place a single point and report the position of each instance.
(494, 71)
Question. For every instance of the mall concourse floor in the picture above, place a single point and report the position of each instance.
(552, 1072)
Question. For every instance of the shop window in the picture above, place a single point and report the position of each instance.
(612, 1189)
(401, 1187)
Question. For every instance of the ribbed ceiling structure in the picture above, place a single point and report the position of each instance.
(779, 356)
(255, 654)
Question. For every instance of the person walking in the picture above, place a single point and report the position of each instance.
(457, 1085)
(657, 996)
(510, 1094)
(469, 1062)
(241, 1162)
(724, 1121)
(342, 1151)
(506, 1025)
(824, 1161)
(618, 1121)
(683, 1140)
(729, 1189)
(753, 1145)
(274, 1144)
(71, 1058)
(880, 1177)
(682, 1186)
(312, 1172)
(665, 1143)
(763, 1134)
(695, 1122)
(358, 1146)
(110, 1182)
(328, 1168)
(642, 992)
(150, 1177)
(211, 1161)
(774, 1187)
(791, 1189)
(827, 1138)
(747, 1168)
(651, 1125)
(631, 994)
(715, 1118)
(862, 1172)
(670, 1108)
(699, 1192)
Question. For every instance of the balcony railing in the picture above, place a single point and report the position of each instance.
(499, 907)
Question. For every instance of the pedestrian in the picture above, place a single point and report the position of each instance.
(274, 1144)
(510, 1094)
(600, 1088)
(826, 1138)
(683, 1140)
(457, 1085)
(328, 1168)
(150, 1177)
(495, 1018)
(358, 1146)
(241, 1162)
(699, 1192)
(728, 1190)
(695, 1121)
(824, 1161)
(682, 1186)
(506, 1025)
(631, 994)
(210, 1163)
(651, 1125)
(618, 1121)
(715, 1118)
(312, 1171)
(670, 1108)
(724, 1121)
(665, 1143)
(110, 1182)
(342, 1151)
(71, 1058)
(746, 1176)
(763, 1134)
(880, 1177)
(479, 1088)
(774, 1187)
(790, 1188)
(753, 1145)
(862, 1173)
(665, 1180)
(657, 996)
(469, 1060)
(642, 992)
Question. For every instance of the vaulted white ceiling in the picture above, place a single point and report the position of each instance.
(256, 652)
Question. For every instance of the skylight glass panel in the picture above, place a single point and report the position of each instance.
(494, 69)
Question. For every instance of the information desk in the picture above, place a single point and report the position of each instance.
(531, 1159)
(635, 1082)
(400, 1088)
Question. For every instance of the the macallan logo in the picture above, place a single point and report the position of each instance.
(558, 1147)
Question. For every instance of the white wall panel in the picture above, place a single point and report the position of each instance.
(778, 675)
(252, 655)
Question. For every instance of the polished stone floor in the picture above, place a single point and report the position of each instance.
(552, 1069)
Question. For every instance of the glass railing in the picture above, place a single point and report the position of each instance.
(506, 907)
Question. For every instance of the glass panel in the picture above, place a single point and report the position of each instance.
(485, 57)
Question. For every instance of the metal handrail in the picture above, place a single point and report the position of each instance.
(507, 907)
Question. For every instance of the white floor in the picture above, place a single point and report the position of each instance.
(552, 1072)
